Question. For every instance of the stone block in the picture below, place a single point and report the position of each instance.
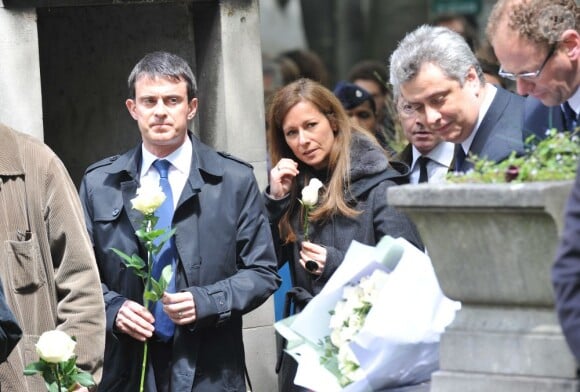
(444, 381)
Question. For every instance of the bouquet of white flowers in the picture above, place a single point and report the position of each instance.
(375, 325)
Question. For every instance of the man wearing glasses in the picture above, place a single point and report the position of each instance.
(538, 46)
(528, 32)
(439, 83)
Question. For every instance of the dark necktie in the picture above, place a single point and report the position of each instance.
(459, 157)
(423, 161)
(164, 327)
(570, 117)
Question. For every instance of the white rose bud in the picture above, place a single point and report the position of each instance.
(149, 197)
(310, 192)
(55, 346)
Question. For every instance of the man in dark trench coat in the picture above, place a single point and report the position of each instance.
(225, 264)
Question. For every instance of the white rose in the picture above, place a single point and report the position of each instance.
(149, 197)
(55, 346)
(348, 363)
(310, 192)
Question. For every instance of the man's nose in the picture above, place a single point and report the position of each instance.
(432, 116)
(524, 87)
(160, 108)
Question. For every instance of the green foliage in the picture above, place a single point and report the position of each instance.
(552, 159)
(60, 377)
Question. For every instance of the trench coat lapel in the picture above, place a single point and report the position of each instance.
(129, 191)
(126, 168)
(187, 236)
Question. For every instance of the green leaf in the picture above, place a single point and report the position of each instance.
(165, 277)
(126, 258)
(53, 387)
(34, 368)
(138, 261)
(550, 159)
(84, 379)
(150, 296)
(156, 288)
(68, 367)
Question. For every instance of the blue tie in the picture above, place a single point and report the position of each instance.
(164, 327)
(570, 117)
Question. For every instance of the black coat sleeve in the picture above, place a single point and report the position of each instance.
(10, 332)
(566, 273)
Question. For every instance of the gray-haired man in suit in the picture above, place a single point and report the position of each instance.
(440, 80)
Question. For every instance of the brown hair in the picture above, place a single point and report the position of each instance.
(333, 197)
(540, 21)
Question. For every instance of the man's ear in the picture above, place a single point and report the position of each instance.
(192, 109)
(131, 108)
(571, 42)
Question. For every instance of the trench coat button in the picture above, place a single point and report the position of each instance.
(115, 211)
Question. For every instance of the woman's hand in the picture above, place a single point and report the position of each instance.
(312, 254)
(281, 177)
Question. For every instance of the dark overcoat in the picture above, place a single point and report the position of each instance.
(371, 175)
(226, 260)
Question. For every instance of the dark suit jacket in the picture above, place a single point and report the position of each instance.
(500, 131)
(566, 272)
(539, 118)
(226, 260)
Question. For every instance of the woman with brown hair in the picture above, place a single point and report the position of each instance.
(310, 136)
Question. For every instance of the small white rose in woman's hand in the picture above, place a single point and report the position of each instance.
(310, 192)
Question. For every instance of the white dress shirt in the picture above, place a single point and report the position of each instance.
(178, 171)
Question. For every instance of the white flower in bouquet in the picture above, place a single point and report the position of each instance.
(347, 319)
(349, 366)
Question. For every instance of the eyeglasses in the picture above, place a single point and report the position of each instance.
(407, 108)
(528, 75)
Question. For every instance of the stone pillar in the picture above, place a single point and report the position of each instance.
(492, 247)
(20, 91)
(228, 53)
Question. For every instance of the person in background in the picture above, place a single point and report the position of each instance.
(464, 25)
(49, 272)
(545, 62)
(310, 137)
(224, 260)
(372, 76)
(10, 331)
(308, 65)
(538, 45)
(440, 81)
(490, 66)
(429, 157)
(360, 108)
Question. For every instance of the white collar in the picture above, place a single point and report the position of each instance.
(490, 92)
(180, 159)
(442, 153)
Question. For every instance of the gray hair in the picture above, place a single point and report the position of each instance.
(435, 45)
(163, 64)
